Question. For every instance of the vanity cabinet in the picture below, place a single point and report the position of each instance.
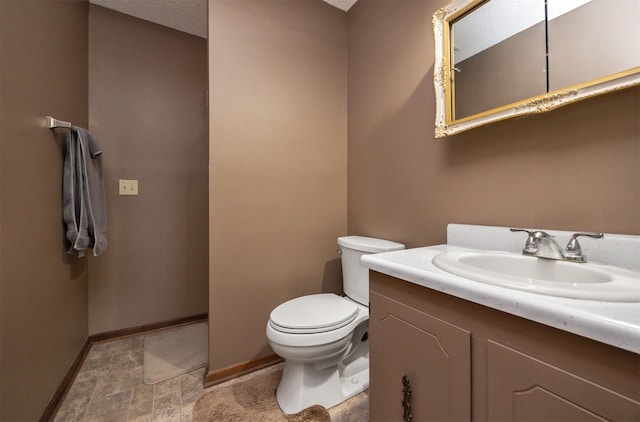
(465, 361)
(424, 362)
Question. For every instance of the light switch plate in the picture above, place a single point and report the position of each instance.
(128, 187)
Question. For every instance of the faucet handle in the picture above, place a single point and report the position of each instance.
(532, 233)
(539, 234)
(530, 247)
(522, 230)
(573, 251)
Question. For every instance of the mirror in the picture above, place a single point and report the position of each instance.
(498, 59)
(511, 33)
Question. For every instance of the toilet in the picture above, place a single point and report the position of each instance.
(323, 338)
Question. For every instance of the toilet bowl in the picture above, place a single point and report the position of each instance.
(323, 338)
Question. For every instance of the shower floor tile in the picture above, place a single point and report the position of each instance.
(110, 387)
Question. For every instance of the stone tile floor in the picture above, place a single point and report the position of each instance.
(110, 387)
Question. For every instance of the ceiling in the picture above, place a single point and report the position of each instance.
(188, 16)
(342, 4)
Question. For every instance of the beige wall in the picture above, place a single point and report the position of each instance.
(576, 168)
(43, 291)
(277, 164)
(147, 107)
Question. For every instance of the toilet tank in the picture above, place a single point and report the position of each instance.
(355, 278)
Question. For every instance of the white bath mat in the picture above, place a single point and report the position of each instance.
(170, 353)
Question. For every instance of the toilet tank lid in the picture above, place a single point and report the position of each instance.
(369, 244)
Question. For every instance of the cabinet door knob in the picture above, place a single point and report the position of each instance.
(406, 399)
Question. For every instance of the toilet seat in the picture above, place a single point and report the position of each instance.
(313, 314)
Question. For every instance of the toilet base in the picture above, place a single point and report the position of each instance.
(304, 385)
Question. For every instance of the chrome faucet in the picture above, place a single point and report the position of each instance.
(542, 245)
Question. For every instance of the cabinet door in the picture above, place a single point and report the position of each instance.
(523, 388)
(433, 354)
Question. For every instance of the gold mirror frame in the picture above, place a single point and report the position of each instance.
(444, 123)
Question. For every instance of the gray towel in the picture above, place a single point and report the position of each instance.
(83, 198)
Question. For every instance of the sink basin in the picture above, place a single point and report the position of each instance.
(543, 276)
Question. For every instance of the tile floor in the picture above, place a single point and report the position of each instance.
(110, 387)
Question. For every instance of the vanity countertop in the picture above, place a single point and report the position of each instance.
(613, 323)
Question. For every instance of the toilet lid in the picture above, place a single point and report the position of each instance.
(313, 314)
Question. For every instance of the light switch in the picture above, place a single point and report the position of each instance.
(128, 187)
